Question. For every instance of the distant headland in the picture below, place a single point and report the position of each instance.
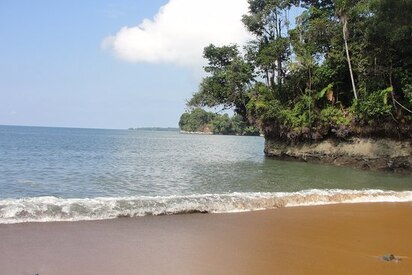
(334, 88)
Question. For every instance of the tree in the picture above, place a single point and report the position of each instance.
(228, 81)
(195, 121)
(342, 8)
(295, 83)
(199, 120)
(268, 21)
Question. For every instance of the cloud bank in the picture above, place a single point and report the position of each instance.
(179, 32)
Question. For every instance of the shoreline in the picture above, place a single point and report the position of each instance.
(293, 240)
(49, 209)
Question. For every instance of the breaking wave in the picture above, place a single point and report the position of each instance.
(44, 209)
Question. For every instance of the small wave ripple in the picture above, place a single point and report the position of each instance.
(45, 209)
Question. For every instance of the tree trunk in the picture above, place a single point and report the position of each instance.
(272, 78)
(279, 61)
(279, 71)
(345, 30)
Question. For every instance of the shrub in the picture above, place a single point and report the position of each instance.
(373, 107)
(333, 116)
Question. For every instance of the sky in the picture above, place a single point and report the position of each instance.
(107, 63)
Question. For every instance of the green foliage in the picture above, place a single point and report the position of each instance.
(324, 75)
(301, 114)
(195, 121)
(223, 125)
(219, 57)
(268, 109)
(199, 120)
(333, 116)
(297, 84)
(408, 94)
(263, 104)
(227, 83)
(374, 106)
(324, 90)
(268, 53)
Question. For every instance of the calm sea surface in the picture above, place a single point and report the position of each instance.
(84, 164)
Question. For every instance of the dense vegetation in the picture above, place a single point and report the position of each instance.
(344, 69)
(198, 120)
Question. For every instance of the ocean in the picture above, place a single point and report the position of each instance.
(68, 174)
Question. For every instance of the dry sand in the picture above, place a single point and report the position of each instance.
(334, 239)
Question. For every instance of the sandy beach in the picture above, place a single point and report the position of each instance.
(333, 239)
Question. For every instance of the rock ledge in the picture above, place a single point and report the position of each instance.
(364, 153)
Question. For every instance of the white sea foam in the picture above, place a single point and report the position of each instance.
(43, 209)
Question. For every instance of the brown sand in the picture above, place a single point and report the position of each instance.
(335, 239)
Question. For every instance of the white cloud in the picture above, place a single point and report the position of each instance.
(179, 32)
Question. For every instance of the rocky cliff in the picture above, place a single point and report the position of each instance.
(364, 153)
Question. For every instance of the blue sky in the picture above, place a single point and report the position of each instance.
(53, 71)
(107, 63)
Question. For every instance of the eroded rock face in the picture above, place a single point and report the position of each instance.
(364, 153)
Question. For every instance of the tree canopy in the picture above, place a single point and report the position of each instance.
(345, 68)
(199, 120)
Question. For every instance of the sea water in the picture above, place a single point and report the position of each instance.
(54, 174)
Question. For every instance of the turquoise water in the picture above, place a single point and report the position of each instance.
(45, 167)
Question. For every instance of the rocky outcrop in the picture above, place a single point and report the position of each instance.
(364, 153)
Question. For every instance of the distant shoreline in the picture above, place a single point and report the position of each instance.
(211, 133)
(195, 133)
(167, 129)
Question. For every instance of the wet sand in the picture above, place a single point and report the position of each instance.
(334, 239)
